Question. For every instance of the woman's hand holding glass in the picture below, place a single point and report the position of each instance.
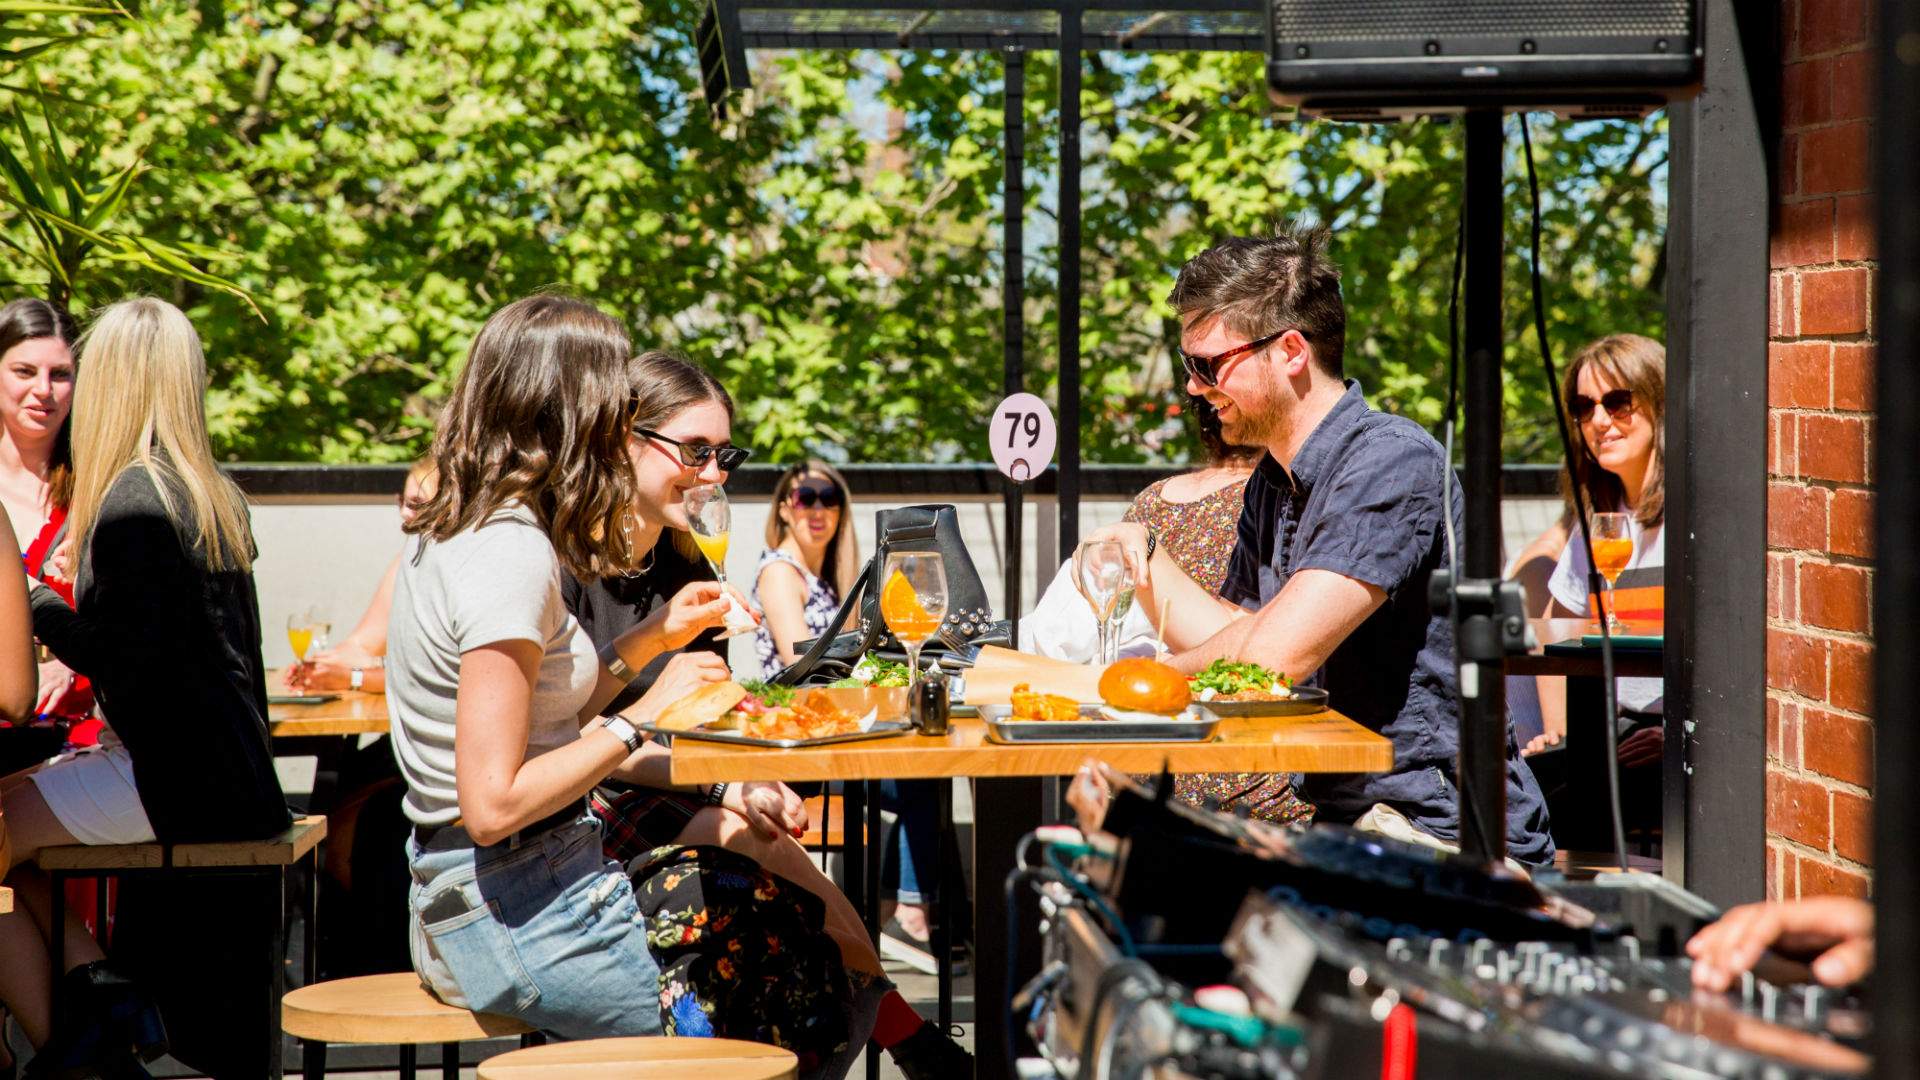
(328, 669)
(697, 607)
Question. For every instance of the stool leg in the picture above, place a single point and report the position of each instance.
(57, 944)
(276, 980)
(533, 1038)
(313, 1059)
(408, 1063)
(450, 1061)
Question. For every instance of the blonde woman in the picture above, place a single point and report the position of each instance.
(166, 624)
(811, 560)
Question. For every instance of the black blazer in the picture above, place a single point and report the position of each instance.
(173, 649)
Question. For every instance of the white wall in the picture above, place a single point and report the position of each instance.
(331, 553)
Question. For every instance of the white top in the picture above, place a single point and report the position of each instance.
(499, 582)
(1569, 586)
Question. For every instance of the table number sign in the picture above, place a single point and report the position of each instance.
(1022, 436)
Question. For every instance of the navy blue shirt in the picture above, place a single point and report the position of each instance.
(1363, 501)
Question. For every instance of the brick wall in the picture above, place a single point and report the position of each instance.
(1820, 429)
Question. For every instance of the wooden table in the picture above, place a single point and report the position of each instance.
(1589, 738)
(1318, 742)
(6, 900)
(354, 712)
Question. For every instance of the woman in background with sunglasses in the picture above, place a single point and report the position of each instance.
(811, 561)
(1615, 392)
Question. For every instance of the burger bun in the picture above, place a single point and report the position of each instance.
(1140, 685)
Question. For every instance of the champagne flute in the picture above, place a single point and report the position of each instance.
(913, 601)
(1612, 551)
(1122, 604)
(711, 516)
(1101, 574)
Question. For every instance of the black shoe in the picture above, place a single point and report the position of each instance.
(105, 1020)
(931, 1054)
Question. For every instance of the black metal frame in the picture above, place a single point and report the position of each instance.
(1896, 596)
(1720, 177)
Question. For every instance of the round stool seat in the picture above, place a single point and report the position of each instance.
(657, 1058)
(385, 1009)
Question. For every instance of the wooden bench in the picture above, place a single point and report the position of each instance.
(6, 900)
(267, 859)
(644, 1059)
(385, 1010)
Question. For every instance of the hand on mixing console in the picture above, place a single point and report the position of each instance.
(1837, 931)
(1088, 794)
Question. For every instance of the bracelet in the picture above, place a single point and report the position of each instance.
(715, 794)
(619, 668)
(1153, 541)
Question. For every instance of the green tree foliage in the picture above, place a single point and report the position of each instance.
(390, 172)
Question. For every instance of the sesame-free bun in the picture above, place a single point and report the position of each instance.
(1141, 685)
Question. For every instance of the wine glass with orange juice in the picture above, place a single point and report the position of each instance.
(711, 517)
(1612, 551)
(913, 600)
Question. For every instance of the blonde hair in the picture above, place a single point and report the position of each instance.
(141, 400)
(842, 557)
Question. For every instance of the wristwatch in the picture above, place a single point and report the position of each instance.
(715, 793)
(623, 730)
(356, 678)
(1153, 541)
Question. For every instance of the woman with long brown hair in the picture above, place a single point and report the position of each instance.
(811, 560)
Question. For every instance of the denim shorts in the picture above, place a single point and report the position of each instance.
(543, 928)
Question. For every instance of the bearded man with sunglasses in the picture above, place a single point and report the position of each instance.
(1340, 530)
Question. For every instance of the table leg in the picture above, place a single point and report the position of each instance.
(942, 907)
(1016, 809)
(853, 847)
(1589, 741)
(276, 972)
(870, 910)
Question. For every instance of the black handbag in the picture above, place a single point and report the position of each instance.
(969, 622)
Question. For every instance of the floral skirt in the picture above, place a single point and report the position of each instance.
(742, 955)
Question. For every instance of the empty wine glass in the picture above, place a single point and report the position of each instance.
(1100, 575)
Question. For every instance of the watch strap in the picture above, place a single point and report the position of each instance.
(623, 729)
(356, 678)
(715, 794)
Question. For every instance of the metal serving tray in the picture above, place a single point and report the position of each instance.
(1306, 699)
(1196, 724)
(880, 730)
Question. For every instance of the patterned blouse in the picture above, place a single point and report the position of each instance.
(1199, 537)
(823, 603)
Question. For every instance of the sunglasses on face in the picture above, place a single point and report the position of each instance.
(695, 455)
(1207, 368)
(808, 496)
(1618, 403)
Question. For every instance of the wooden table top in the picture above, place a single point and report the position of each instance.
(1320, 742)
(1627, 663)
(637, 1058)
(354, 712)
(6, 900)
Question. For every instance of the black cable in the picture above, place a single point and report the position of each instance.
(1579, 508)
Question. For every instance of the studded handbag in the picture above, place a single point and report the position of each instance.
(969, 622)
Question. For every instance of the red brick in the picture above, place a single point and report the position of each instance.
(1831, 25)
(1782, 594)
(1774, 855)
(1806, 94)
(1799, 375)
(1837, 746)
(1773, 727)
(1833, 448)
(1850, 96)
(1822, 879)
(1836, 597)
(1797, 663)
(1850, 523)
(1853, 228)
(1833, 302)
(1790, 729)
(1835, 159)
(1796, 517)
(1783, 458)
(1853, 377)
(1783, 300)
(1789, 165)
(1852, 827)
(1797, 810)
(1804, 234)
(1852, 684)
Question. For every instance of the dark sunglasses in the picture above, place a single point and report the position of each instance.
(807, 496)
(1207, 368)
(1618, 403)
(695, 455)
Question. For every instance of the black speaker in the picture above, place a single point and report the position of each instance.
(1384, 59)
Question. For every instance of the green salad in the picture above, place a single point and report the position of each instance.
(873, 671)
(771, 696)
(1234, 677)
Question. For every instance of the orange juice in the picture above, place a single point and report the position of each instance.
(1611, 556)
(301, 640)
(906, 616)
(713, 547)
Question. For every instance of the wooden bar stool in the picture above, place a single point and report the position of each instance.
(270, 859)
(657, 1058)
(385, 1010)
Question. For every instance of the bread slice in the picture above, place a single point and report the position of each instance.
(704, 705)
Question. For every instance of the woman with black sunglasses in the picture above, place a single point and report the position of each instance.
(811, 561)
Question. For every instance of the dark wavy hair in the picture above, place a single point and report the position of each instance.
(540, 416)
(1261, 285)
(28, 319)
(1634, 363)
